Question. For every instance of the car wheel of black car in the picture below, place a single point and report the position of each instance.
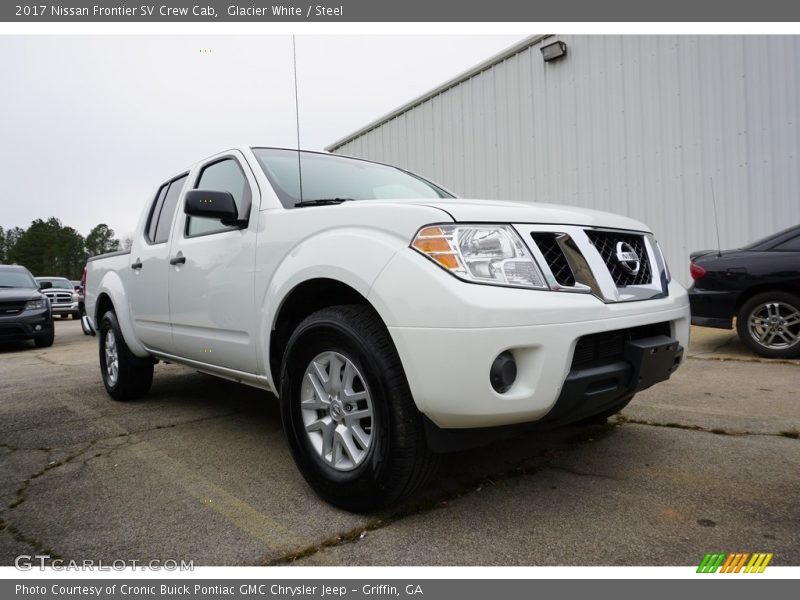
(125, 375)
(353, 428)
(46, 340)
(769, 324)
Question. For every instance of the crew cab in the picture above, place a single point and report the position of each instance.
(392, 320)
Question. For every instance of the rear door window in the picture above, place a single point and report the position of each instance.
(168, 210)
(155, 210)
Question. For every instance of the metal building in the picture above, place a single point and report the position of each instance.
(638, 125)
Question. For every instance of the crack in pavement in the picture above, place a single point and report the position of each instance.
(437, 503)
(18, 536)
(21, 494)
(42, 358)
(583, 473)
(716, 348)
(623, 420)
(110, 413)
(105, 416)
(548, 455)
(747, 359)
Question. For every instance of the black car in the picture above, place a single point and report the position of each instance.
(25, 312)
(759, 285)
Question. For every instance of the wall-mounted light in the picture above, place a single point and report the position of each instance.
(554, 51)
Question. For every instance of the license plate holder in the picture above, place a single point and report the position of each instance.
(654, 359)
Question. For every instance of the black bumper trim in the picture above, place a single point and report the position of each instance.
(712, 322)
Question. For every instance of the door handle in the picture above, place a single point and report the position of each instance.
(177, 260)
(137, 265)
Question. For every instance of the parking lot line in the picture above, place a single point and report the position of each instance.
(276, 537)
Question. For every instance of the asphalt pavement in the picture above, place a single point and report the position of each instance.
(199, 470)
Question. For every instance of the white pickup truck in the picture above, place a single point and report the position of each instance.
(393, 320)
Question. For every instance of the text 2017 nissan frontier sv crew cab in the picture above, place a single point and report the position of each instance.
(393, 320)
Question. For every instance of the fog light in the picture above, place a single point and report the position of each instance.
(38, 328)
(503, 372)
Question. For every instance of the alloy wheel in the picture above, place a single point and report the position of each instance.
(775, 325)
(336, 408)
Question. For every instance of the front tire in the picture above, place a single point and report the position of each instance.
(45, 341)
(352, 425)
(769, 324)
(125, 375)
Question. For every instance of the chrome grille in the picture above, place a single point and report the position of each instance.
(606, 244)
(59, 297)
(554, 257)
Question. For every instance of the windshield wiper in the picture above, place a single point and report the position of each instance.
(322, 202)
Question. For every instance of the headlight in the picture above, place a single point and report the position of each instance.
(492, 254)
(35, 304)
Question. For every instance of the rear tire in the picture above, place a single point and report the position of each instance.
(769, 324)
(377, 457)
(125, 376)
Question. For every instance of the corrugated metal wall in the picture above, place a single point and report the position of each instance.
(637, 125)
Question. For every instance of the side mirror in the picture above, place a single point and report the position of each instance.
(212, 205)
(45, 285)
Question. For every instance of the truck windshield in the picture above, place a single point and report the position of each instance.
(16, 279)
(56, 282)
(328, 177)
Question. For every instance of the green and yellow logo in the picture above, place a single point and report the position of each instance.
(735, 562)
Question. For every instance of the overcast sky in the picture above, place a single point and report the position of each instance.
(90, 125)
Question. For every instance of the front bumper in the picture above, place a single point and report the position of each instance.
(448, 333)
(72, 308)
(26, 325)
(448, 369)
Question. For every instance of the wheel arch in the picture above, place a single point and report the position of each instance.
(111, 296)
(788, 287)
(302, 300)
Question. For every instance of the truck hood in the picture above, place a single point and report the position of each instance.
(500, 211)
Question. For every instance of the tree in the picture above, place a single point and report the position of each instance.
(101, 240)
(7, 241)
(48, 248)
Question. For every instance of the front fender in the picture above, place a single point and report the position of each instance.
(112, 285)
(353, 256)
